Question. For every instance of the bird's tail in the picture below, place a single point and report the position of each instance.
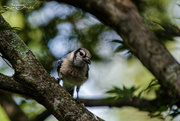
(68, 87)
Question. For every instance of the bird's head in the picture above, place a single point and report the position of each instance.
(81, 57)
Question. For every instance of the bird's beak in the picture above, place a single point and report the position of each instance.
(87, 60)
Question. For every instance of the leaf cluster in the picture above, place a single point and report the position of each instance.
(120, 94)
(162, 103)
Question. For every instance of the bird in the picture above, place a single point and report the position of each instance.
(73, 69)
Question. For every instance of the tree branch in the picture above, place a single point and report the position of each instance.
(134, 102)
(122, 16)
(9, 84)
(38, 83)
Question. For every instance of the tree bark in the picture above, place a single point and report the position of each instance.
(123, 17)
(31, 79)
(134, 102)
(142, 104)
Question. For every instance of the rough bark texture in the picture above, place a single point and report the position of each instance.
(123, 16)
(31, 79)
(134, 102)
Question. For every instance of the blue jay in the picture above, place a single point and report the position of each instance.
(73, 69)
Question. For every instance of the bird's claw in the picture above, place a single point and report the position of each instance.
(77, 100)
(58, 80)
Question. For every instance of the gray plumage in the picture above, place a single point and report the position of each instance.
(73, 69)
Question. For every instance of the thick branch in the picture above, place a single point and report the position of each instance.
(134, 102)
(8, 83)
(40, 85)
(12, 109)
(122, 16)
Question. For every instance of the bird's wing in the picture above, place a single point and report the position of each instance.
(60, 61)
(59, 67)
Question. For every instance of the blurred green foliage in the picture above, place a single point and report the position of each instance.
(159, 16)
(30, 107)
(153, 10)
(3, 116)
(41, 22)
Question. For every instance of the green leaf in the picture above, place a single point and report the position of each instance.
(150, 86)
(5, 27)
(121, 93)
(122, 47)
(118, 41)
(169, 29)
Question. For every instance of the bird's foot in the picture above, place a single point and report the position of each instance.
(77, 100)
(58, 80)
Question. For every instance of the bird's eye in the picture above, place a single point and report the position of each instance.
(81, 53)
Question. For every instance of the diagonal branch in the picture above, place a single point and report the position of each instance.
(9, 84)
(122, 16)
(42, 87)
